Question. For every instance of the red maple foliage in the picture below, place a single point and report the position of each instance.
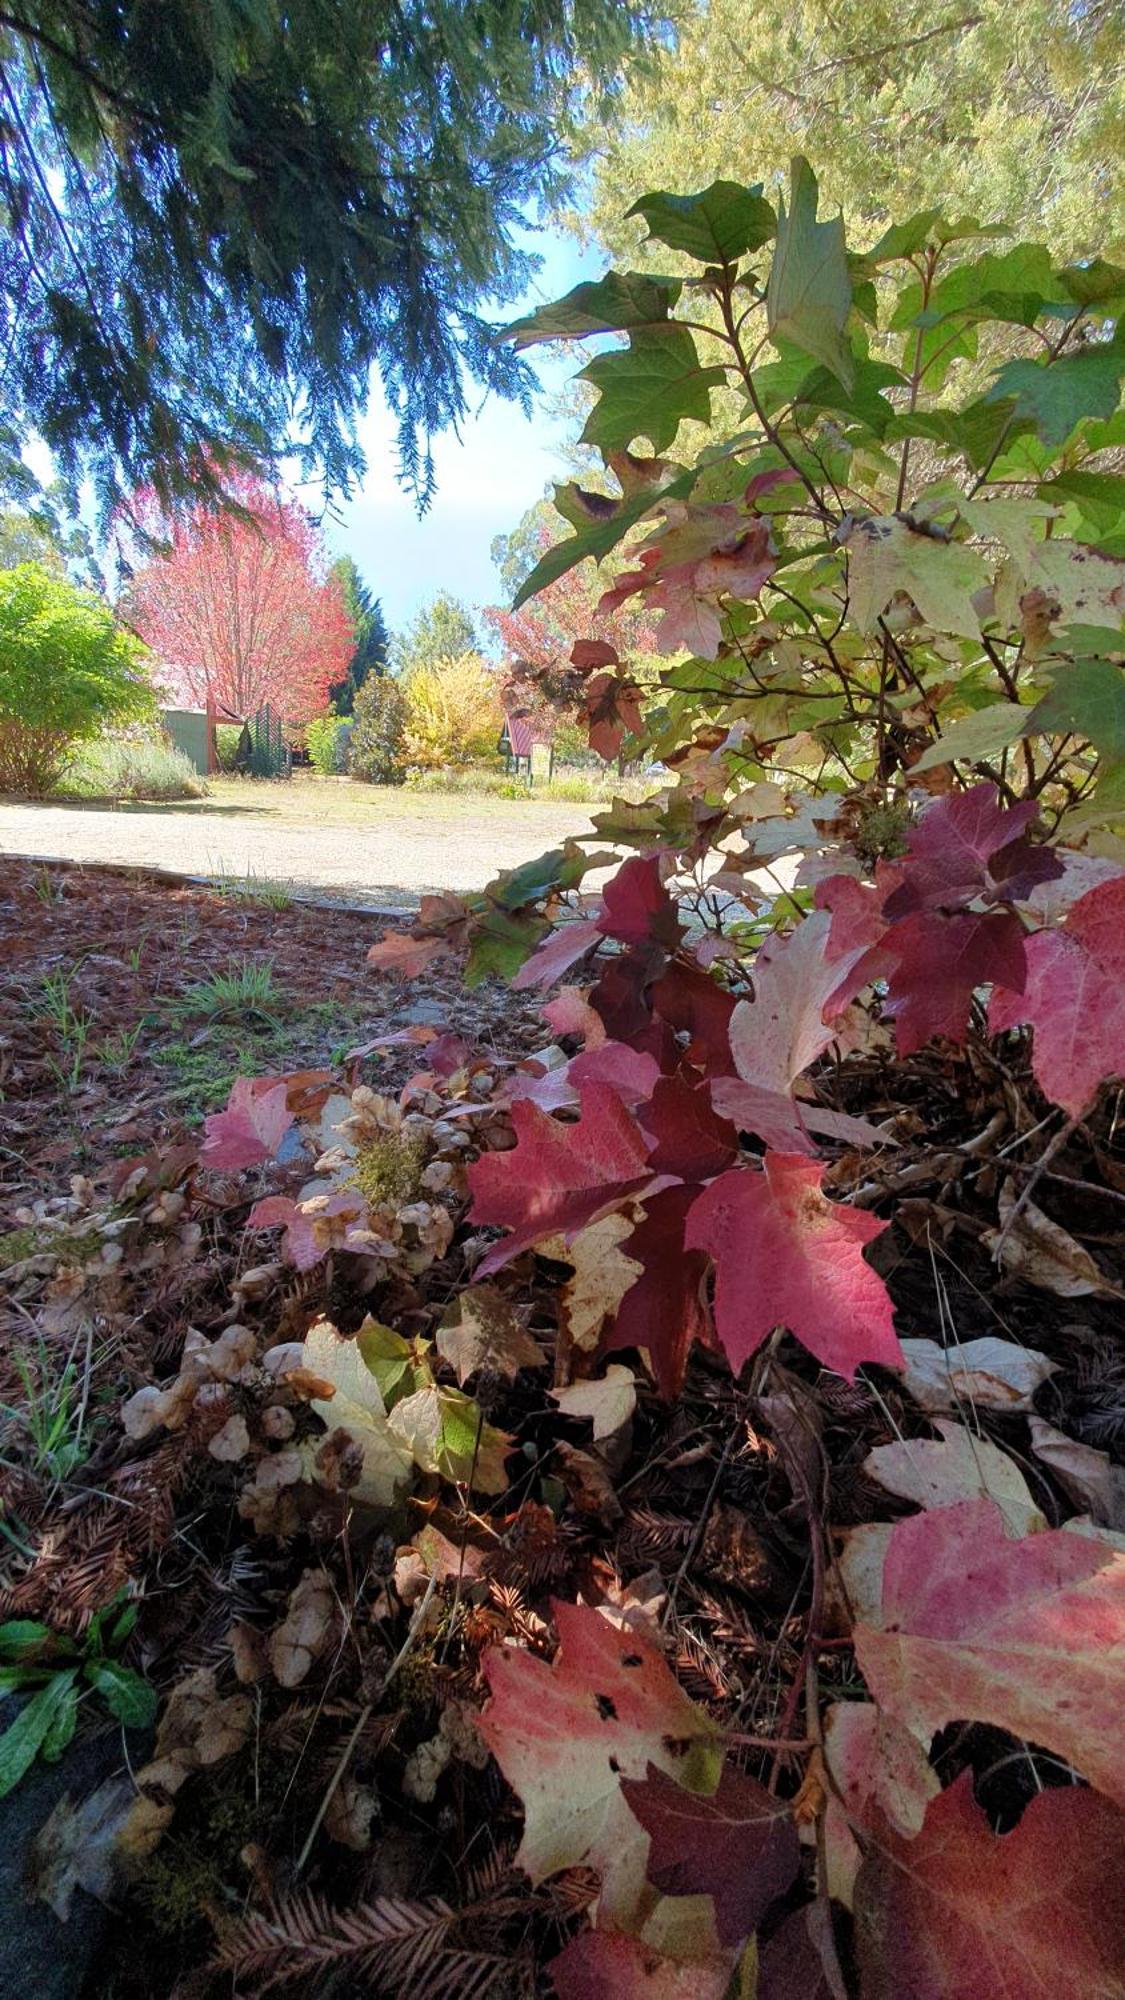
(241, 606)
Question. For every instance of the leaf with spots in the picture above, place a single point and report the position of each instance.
(566, 1734)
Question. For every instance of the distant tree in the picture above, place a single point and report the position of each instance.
(453, 711)
(67, 671)
(285, 198)
(371, 637)
(241, 606)
(376, 748)
(23, 539)
(441, 630)
(1012, 109)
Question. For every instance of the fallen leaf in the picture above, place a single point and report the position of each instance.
(957, 1911)
(357, 1407)
(737, 1845)
(785, 1256)
(609, 1400)
(602, 1276)
(406, 955)
(565, 1735)
(988, 1374)
(252, 1127)
(232, 1442)
(351, 1809)
(799, 1961)
(878, 1772)
(481, 1331)
(306, 1629)
(446, 1433)
(959, 1466)
(1088, 1477)
(1040, 1251)
(81, 1847)
(1028, 1635)
(608, 1965)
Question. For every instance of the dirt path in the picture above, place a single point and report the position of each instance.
(396, 847)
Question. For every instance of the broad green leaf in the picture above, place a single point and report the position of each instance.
(902, 239)
(613, 304)
(1086, 699)
(63, 1725)
(1056, 395)
(357, 1406)
(717, 226)
(560, 868)
(976, 736)
(601, 522)
(647, 389)
(1098, 285)
(501, 943)
(22, 1741)
(809, 295)
(822, 390)
(391, 1359)
(126, 1695)
(446, 1433)
(886, 555)
(22, 1638)
(974, 431)
(1099, 497)
(1013, 285)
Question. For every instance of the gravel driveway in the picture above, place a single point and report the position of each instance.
(406, 843)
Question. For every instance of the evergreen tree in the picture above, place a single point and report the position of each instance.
(214, 216)
(371, 636)
(1010, 109)
(442, 630)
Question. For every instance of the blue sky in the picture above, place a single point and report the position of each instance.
(485, 480)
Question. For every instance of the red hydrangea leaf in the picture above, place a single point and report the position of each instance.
(663, 1312)
(609, 1965)
(622, 996)
(570, 1013)
(967, 845)
(737, 1845)
(611, 713)
(588, 654)
(799, 1961)
(857, 911)
(252, 1127)
(632, 1073)
(558, 1176)
(697, 1006)
(778, 1034)
(311, 1231)
(558, 952)
(636, 907)
(1074, 998)
(958, 1911)
(1028, 1635)
(785, 1256)
(566, 1734)
(688, 1138)
(939, 961)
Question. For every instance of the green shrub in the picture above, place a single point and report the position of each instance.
(228, 736)
(326, 739)
(67, 670)
(140, 767)
(376, 747)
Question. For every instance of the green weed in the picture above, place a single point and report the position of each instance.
(245, 988)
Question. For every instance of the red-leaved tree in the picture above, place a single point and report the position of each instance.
(242, 607)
